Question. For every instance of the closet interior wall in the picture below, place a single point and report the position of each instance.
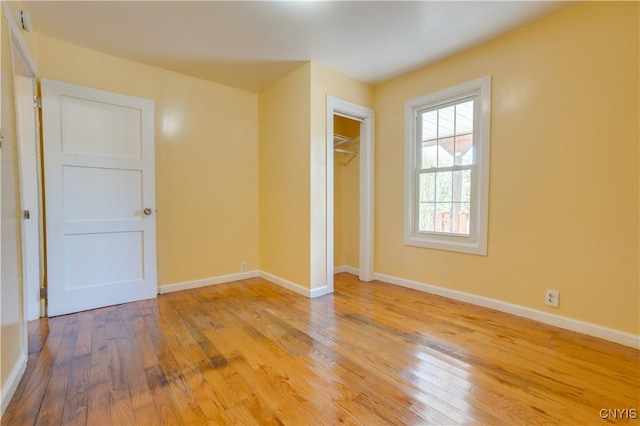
(346, 209)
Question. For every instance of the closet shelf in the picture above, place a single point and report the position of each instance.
(340, 140)
(345, 151)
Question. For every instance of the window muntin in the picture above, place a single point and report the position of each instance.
(447, 160)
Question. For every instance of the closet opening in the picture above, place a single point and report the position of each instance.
(346, 194)
(349, 190)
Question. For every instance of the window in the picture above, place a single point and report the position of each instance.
(447, 168)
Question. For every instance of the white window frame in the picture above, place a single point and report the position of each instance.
(476, 241)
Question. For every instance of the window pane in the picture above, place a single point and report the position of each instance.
(426, 219)
(462, 218)
(443, 217)
(443, 186)
(461, 186)
(447, 136)
(466, 156)
(446, 128)
(427, 187)
(429, 135)
(429, 156)
(464, 117)
(445, 152)
(466, 186)
(452, 201)
(446, 122)
(430, 125)
(464, 133)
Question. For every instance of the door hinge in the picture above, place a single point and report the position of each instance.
(43, 292)
(26, 214)
(37, 102)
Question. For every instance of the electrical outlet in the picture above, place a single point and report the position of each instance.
(552, 298)
(243, 266)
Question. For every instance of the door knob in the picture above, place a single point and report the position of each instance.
(147, 211)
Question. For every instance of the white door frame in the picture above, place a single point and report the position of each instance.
(23, 63)
(27, 126)
(27, 132)
(337, 106)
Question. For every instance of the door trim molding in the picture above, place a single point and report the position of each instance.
(27, 131)
(19, 44)
(20, 55)
(12, 382)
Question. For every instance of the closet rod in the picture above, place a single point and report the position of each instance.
(341, 140)
(344, 151)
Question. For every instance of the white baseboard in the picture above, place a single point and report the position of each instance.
(320, 291)
(170, 288)
(297, 288)
(590, 329)
(304, 291)
(345, 268)
(12, 383)
(289, 285)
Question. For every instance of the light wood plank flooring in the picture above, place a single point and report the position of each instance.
(371, 353)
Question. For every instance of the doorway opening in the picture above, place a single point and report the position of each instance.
(350, 183)
(346, 194)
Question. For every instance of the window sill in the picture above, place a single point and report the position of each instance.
(447, 243)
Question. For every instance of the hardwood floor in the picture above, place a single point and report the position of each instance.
(371, 353)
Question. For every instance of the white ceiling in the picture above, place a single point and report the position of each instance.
(250, 44)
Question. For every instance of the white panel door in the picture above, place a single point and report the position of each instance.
(99, 197)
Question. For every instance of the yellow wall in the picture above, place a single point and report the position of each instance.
(563, 210)
(206, 159)
(284, 177)
(346, 197)
(293, 116)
